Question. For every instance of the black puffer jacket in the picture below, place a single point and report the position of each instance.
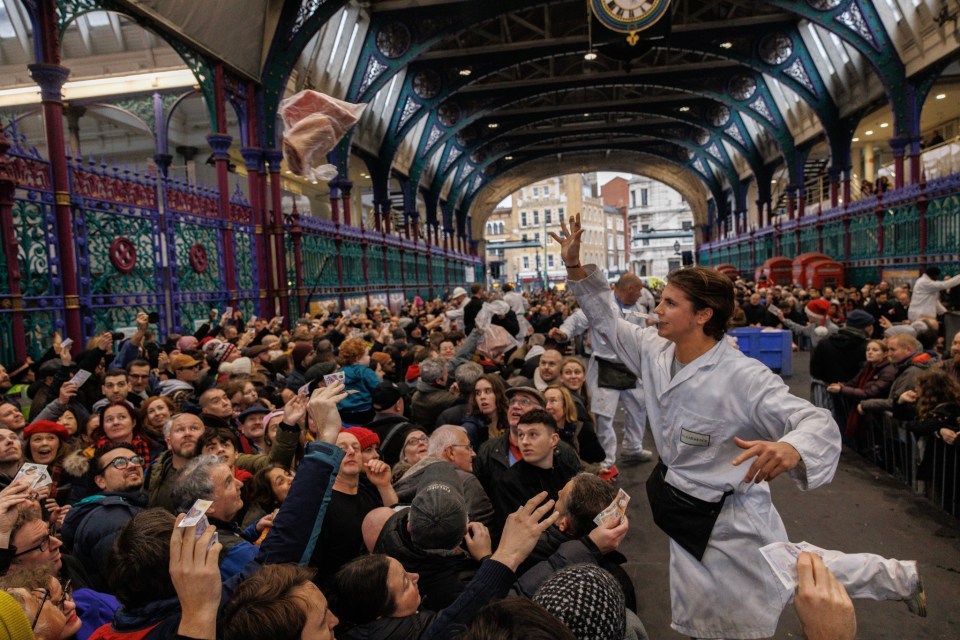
(838, 357)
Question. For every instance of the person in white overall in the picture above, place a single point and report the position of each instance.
(627, 302)
(714, 412)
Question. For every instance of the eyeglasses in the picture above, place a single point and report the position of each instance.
(66, 595)
(43, 545)
(523, 402)
(421, 439)
(122, 463)
(138, 376)
(468, 447)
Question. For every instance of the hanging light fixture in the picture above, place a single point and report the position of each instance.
(590, 55)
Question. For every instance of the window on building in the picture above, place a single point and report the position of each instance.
(526, 262)
(644, 197)
(536, 217)
(687, 225)
(547, 216)
(550, 261)
(644, 228)
(559, 215)
(546, 190)
(646, 242)
(536, 237)
(536, 191)
(673, 264)
(633, 198)
(523, 238)
(523, 218)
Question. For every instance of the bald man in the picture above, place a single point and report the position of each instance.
(608, 381)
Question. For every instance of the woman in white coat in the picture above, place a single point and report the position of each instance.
(711, 409)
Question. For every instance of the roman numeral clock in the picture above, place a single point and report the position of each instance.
(629, 16)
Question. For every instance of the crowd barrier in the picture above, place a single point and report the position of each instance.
(891, 445)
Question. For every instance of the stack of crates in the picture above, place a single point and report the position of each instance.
(772, 347)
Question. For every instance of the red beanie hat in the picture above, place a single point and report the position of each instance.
(366, 437)
(46, 426)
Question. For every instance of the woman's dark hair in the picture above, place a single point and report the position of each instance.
(707, 289)
(261, 489)
(137, 428)
(516, 619)
(360, 593)
(499, 394)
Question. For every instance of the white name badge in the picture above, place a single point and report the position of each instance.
(694, 439)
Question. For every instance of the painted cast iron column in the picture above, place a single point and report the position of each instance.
(50, 78)
(220, 144)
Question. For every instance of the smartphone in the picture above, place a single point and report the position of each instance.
(153, 318)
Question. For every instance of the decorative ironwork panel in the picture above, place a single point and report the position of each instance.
(863, 237)
(788, 244)
(901, 232)
(244, 252)
(943, 225)
(352, 258)
(375, 266)
(857, 276)
(833, 244)
(33, 220)
(809, 243)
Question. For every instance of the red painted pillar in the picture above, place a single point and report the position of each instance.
(50, 78)
(274, 158)
(10, 247)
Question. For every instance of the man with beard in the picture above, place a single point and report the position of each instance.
(92, 524)
(182, 434)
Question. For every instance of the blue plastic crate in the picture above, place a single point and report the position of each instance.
(772, 348)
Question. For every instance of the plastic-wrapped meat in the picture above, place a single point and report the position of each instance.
(313, 125)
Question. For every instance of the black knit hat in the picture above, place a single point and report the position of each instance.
(587, 599)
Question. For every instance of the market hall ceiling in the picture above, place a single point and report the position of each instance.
(470, 99)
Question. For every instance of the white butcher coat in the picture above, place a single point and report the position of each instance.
(731, 593)
(603, 401)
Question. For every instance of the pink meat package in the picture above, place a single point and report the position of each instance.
(313, 125)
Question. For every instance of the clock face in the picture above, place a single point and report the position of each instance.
(628, 16)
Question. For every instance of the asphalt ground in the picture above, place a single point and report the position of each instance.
(862, 510)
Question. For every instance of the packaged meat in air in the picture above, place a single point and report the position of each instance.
(313, 125)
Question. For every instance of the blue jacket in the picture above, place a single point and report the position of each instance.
(363, 380)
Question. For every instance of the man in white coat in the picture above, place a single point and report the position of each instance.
(711, 410)
(925, 302)
(628, 301)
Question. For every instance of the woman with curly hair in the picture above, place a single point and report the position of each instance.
(936, 417)
(486, 416)
(360, 381)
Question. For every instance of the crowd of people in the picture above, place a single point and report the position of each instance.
(428, 472)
